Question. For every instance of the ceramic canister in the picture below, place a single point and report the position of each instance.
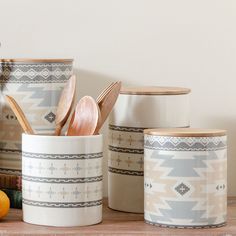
(135, 110)
(36, 85)
(62, 180)
(185, 177)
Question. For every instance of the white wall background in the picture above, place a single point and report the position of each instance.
(140, 42)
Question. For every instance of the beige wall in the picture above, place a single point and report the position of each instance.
(145, 42)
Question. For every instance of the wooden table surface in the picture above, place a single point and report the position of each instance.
(114, 223)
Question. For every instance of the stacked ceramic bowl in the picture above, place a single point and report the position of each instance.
(36, 85)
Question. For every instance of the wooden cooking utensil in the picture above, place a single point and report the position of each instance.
(107, 103)
(65, 104)
(85, 118)
(20, 115)
(104, 92)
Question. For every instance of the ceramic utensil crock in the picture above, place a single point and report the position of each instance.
(135, 110)
(36, 85)
(185, 177)
(62, 180)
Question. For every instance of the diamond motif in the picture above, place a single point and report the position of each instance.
(45, 73)
(50, 117)
(18, 73)
(31, 73)
(67, 72)
(57, 72)
(6, 73)
(182, 189)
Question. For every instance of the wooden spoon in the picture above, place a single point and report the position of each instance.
(85, 118)
(65, 104)
(20, 115)
(107, 103)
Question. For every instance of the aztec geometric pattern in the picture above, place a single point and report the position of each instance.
(185, 181)
(125, 150)
(72, 181)
(125, 167)
(36, 87)
(185, 143)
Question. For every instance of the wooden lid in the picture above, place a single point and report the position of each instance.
(31, 60)
(186, 132)
(154, 90)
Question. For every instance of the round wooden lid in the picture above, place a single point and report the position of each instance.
(31, 60)
(185, 132)
(154, 90)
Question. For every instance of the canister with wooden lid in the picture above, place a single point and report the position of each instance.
(136, 109)
(185, 177)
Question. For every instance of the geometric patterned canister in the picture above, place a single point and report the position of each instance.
(62, 180)
(185, 178)
(137, 109)
(36, 85)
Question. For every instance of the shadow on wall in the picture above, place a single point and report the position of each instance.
(230, 126)
(92, 83)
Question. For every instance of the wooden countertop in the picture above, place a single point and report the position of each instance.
(114, 223)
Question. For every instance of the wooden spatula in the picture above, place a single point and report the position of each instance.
(65, 104)
(19, 115)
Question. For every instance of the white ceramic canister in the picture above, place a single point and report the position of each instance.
(62, 180)
(185, 178)
(36, 85)
(135, 110)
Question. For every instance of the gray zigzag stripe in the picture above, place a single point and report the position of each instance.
(182, 146)
(132, 129)
(37, 80)
(62, 205)
(126, 128)
(10, 171)
(62, 156)
(186, 226)
(62, 180)
(125, 172)
(10, 151)
(126, 150)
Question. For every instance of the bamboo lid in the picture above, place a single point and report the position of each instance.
(32, 60)
(154, 90)
(185, 132)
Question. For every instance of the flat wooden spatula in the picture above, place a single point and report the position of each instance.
(19, 115)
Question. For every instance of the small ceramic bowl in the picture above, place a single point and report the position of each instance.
(62, 180)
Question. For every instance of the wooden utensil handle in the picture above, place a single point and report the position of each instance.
(58, 130)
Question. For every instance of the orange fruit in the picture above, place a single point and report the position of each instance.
(4, 204)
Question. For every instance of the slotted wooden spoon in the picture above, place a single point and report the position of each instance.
(107, 103)
(104, 92)
(19, 115)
